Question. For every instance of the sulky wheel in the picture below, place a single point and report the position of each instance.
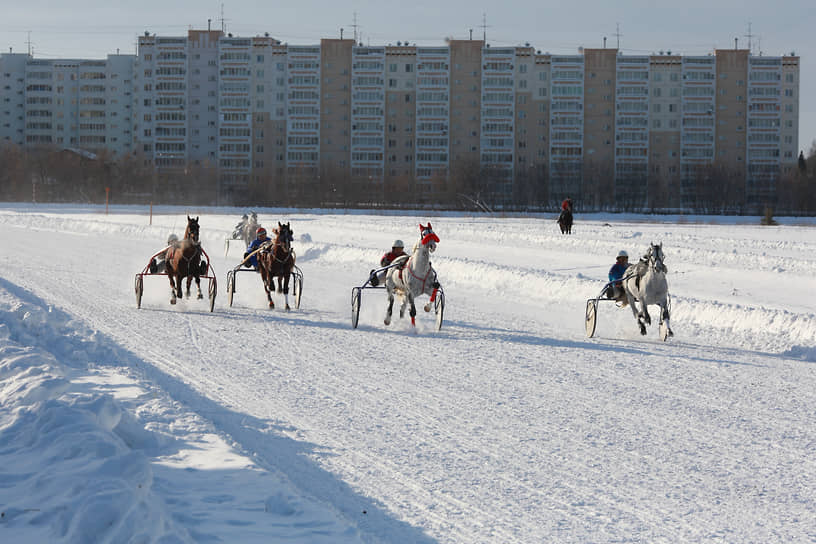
(591, 317)
(439, 308)
(298, 289)
(212, 292)
(139, 290)
(230, 286)
(355, 306)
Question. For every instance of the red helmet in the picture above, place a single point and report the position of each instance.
(260, 231)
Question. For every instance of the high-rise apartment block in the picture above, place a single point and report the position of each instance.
(598, 126)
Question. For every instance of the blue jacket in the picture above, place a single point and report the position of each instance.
(617, 271)
(255, 244)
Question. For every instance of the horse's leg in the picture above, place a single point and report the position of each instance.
(286, 291)
(267, 280)
(664, 316)
(412, 312)
(198, 287)
(172, 287)
(646, 317)
(390, 309)
(403, 302)
(632, 304)
(189, 283)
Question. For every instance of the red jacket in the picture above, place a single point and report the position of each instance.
(567, 204)
(389, 257)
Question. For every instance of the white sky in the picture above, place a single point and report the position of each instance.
(94, 29)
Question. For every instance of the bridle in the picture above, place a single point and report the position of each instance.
(191, 232)
(283, 241)
(656, 258)
(429, 239)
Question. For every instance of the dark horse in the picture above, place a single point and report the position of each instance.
(278, 261)
(183, 260)
(565, 221)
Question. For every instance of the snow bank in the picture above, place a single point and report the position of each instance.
(79, 466)
(73, 465)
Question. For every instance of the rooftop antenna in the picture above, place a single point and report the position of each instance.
(484, 26)
(355, 26)
(618, 34)
(29, 43)
(749, 36)
(223, 21)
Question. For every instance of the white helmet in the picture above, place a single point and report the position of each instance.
(622, 253)
(397, 243)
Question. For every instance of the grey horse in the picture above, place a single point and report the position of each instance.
(645, 283)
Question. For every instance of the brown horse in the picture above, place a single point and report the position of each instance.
(565, 221)
(278, 261)
(183, 260)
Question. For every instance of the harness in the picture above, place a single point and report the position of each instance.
(177, 247)
(423, 279)
(286, 258)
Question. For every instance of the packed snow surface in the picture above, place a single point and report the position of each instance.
(247, 424)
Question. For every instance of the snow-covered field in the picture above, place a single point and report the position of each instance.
(173, 424)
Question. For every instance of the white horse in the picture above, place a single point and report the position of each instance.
(413, 276)
(645, 282)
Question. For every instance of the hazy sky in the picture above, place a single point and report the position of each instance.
(94, 29)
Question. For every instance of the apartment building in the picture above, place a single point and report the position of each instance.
(67, 103)
(510, 122)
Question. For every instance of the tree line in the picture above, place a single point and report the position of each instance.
(60, 175)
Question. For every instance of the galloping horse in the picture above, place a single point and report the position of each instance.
(645, 282)
(413, 276)
(278, 260)
(249, 227)
(565, 221)
(183, 260)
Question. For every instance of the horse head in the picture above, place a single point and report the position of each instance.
(428, 237)
(655, 257)
(192, 230)
(284, 236)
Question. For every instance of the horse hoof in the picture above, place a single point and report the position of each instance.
(288, 308)
(387, 321)
(172, 301)
(427, 307)
(200, 296)
(643, 331)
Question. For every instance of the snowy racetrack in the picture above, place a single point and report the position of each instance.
(506, 426)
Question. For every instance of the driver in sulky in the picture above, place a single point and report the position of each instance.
(616, 273)
(260, 239)
(397, 250)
